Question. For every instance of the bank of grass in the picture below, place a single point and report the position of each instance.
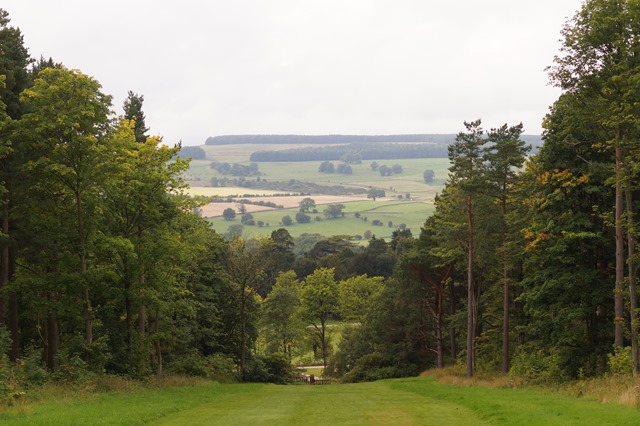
(411, 401)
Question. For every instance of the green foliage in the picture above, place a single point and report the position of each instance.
(274, 368)
(247, 219)
(302, 218)
(286, 220)
(428, 175)
(280, 317)
(218, 367)
(357, 295)
(538, 366)
(307, 204)
(375, 366)
(229, 214)
(620, 362)
(333, 211)
(133, 112)
(376, 193)
(326, 167)
(193, 152)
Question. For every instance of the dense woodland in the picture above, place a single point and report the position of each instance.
(528, 265)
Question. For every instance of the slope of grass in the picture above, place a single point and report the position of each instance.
(412, 401)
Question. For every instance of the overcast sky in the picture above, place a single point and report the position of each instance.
(217, 67)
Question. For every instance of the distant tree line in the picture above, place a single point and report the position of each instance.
(328, 167)
(364, 151)
(235, 169)
(193, 152)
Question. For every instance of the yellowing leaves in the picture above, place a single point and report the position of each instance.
(562, 178)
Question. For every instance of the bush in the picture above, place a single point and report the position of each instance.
(247, 219)
(620, 362)
(30, 370)
(274, 368)
(302, 217)
(537, 366)
(217, 366)
(375, 366)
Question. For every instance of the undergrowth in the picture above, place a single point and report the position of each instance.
(614, 388)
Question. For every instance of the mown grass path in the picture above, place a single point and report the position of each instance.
(415, 401)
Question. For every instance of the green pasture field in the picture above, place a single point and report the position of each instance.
(411, 213)
(410, 180)
(409, 401)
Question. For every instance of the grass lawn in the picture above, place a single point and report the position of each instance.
(411, 401)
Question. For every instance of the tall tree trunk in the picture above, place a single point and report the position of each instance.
(88, 310)
(52, 343)
(453, 346)
(323, 336)
(620, 260)
(158, 346)
(470, 291)
(141, 281)
(505, 295)
(243, 333)
(4, 260)
(14, 329)
(633, 293)
(438, 330)
(12, 312)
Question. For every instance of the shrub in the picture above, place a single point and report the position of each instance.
(537, 366)
(247, 219)
(274, 368)
(375, 366)
(302, 217)
(229, 214)
(620, 362)
(217, 366)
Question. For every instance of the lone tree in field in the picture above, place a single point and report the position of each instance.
(334, 211)
(287, 221)
(229, 214)
(376, 193)
(307, 204)
(428, 176)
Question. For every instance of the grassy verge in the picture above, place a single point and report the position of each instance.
(412, 401)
